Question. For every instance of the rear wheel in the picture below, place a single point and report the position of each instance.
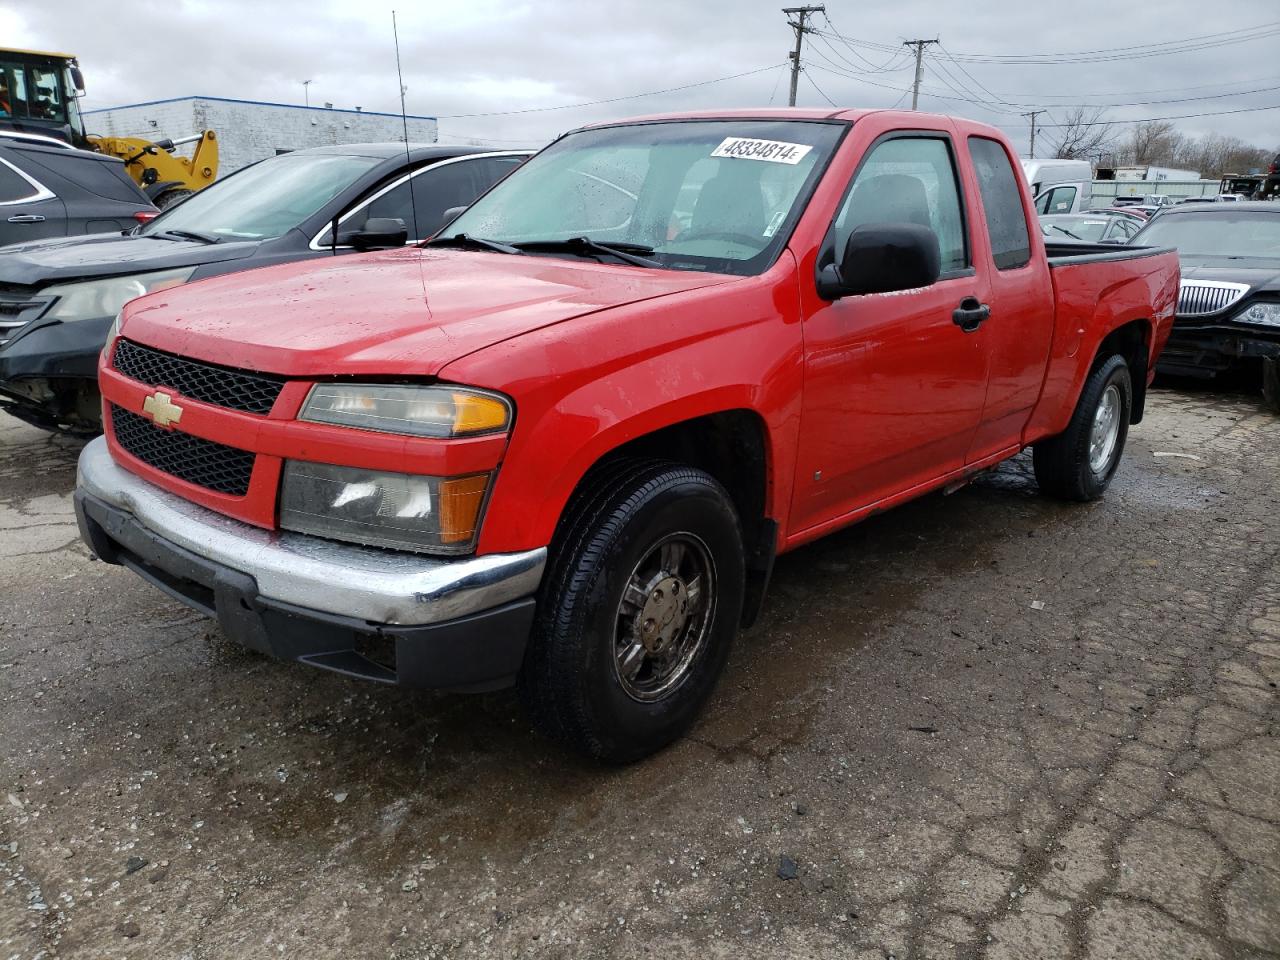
(1078, 463)
(638, 611)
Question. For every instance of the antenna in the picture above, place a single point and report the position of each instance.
(404, 120)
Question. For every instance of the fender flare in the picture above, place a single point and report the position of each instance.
(153, 190)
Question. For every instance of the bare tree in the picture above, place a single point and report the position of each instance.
(1083, 135)
(1153, 142)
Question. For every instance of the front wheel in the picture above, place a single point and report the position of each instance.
(172, 196)
(639, 609)
(1078, 463)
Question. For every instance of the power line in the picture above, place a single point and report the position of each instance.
(595, 103)
(1137, 52)
(815, 86)
(1181, 116)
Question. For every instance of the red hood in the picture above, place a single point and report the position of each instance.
(401, 312)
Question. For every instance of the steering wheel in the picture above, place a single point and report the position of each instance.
(742, 239)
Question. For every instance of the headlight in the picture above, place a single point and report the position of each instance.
(104, 298)
(112, 336)
(439, 411)
(1267, 314)
(397, 510)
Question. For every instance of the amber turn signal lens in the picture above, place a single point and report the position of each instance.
(476, 413)
(460, 500)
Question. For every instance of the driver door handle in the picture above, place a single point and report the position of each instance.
(27, 218)
(970, 314)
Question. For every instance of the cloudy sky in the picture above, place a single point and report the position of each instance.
(491, 69)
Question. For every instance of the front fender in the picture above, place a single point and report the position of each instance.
(586, 387)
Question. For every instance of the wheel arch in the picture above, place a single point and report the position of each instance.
(1132, 341)
(733, 446)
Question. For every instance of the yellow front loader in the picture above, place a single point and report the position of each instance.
(39, 97)
(164, 175)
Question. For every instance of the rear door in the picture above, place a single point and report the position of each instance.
(894, 387)
(1017, 336)
(28, 209)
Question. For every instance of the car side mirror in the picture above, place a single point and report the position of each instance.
(376, 233)
(77, 80)
(883, 258)
(452, 214)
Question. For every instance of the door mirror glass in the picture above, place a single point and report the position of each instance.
(377, 232)
(883, 258)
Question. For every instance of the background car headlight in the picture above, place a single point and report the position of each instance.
(416, 411)
(1267, 314)
(112, 336)
(104, 298)
(398, 510)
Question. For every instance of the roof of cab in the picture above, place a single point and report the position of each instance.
(842, 114)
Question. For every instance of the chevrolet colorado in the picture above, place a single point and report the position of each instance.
(560, 444)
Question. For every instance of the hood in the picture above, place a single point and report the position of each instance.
(1261, 273)
(405, 312)
(63, 259)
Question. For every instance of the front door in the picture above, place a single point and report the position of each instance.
(894, 386)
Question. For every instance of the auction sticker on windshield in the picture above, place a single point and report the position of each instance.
(774, 151)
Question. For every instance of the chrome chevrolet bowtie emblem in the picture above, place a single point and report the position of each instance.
(161, 408)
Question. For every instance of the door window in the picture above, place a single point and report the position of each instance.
(909, 180)
(1002, 204)
(441, 188)
(14, 187)
(1058, 200)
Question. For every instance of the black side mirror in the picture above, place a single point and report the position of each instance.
(377, 232)
(883, 258)
(77, 79)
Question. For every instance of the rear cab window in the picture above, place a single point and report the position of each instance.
(1001, 194)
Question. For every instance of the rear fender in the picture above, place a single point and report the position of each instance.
(1096, 303)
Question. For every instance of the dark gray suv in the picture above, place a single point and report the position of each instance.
(48, 189)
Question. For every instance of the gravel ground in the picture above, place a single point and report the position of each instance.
(983, 725)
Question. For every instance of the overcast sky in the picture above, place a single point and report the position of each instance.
(482, 57)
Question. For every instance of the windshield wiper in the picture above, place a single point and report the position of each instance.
(476, 243)
(626, 252)
(186, 235)
(1066, 231)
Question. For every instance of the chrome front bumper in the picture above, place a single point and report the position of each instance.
(359, 583)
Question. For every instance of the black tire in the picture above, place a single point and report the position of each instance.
(570, 682)
(1271, 383)
(170, 197)
(1062, 463)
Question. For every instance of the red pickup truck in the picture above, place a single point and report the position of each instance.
(561, 444)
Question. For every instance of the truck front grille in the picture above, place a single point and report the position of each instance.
(214, 466)
(220, 386)
(1199, 298)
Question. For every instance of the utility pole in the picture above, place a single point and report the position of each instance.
(1033, 114)
(800, 29)
(915, 87)
(306, 90)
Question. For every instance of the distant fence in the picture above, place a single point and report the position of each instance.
(1107, 190)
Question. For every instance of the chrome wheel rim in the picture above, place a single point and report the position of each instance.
(1106, 430)
(664, 617)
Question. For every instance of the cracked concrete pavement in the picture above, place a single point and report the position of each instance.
(983, 725)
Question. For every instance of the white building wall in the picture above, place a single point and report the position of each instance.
(249, 131)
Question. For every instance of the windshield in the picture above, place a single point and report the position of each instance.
(265, 200)
(1227, 233)
(32, 90)
(717, 195)
(1084, 228)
